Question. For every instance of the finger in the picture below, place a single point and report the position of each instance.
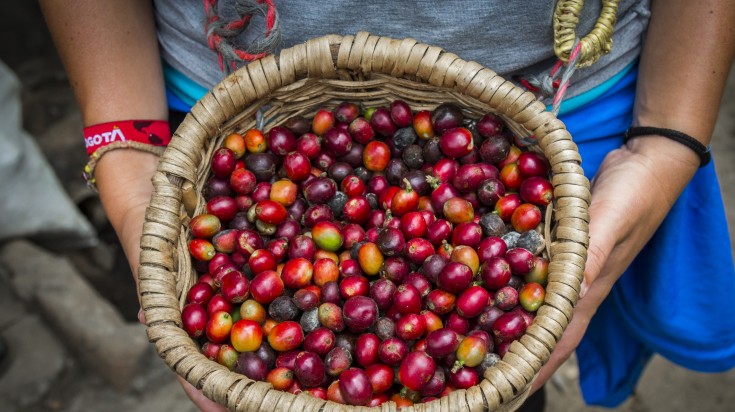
(600, 246)
(141, 316)
(606, 227)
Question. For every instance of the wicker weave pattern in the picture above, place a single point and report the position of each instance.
(373, 71)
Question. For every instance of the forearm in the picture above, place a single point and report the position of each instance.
(684, 66)
(110, 52)
(688, 51)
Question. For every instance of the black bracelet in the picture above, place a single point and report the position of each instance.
(701, 150)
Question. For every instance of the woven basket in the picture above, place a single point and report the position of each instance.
(373, 71)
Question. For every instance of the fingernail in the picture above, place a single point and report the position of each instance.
(583, 290)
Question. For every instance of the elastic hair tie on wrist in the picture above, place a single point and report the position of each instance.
(701, 150)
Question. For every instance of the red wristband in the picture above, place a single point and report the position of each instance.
(152, 132)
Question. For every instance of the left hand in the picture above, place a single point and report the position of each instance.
(631, 196)
(681, 78)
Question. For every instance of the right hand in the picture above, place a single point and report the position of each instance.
(126, 192)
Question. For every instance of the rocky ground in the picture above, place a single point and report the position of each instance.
(70, 321)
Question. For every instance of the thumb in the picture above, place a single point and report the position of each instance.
(601, 243)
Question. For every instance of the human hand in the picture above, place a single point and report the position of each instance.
(631, 195)
(125, 189)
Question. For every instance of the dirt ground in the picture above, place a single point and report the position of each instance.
(50, 114)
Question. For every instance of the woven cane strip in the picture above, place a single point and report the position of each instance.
(366, 60)
(154, 242)
(566, 155)
(358, 44)
(519, 363)
(571, 179)
(314, 404)
(525, 106)
(500, 381)
(384, 55)
(570, 202)
(569, 292)
(573, 258)
(153, 273)
(569, 247)
(234, 91)
(428, 62)
(450, 77)
(185, 360)
(568, 168)
(165, 336)
(510, 98)
(552, 325)
(162, 259)
(536, 121)
(571, 190)
(554, 142)
(222, 95)
(401, 56)
(299, 403)
(490, 394)
(214, 388)
(535, 346)
(161, 315)
(330, 407)
(571, 234)
(366, 54)
(566, 269)
(191, 130)
(443, 404)
(500, 94)
(441, 67)
(174, 166)
(516, 402)
(532, 359)
(475, 400)
(479, 83)
(257, 77)
(542, 335)
(165, 203)
(466, 75)
(549, 125)
(457, 402)
(513, 375)
(574, 223)
(414, 59)
(349, 68)
(270, 69)
(158, 284)
(283, 403)
(235, 394)
(529, 113)
(573, 211)
(251, 397)
(556, 306)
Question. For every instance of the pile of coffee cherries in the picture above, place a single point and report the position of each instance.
(369, 254)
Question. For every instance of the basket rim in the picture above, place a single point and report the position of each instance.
(325, 58)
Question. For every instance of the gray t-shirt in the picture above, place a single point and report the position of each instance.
(509, 37)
